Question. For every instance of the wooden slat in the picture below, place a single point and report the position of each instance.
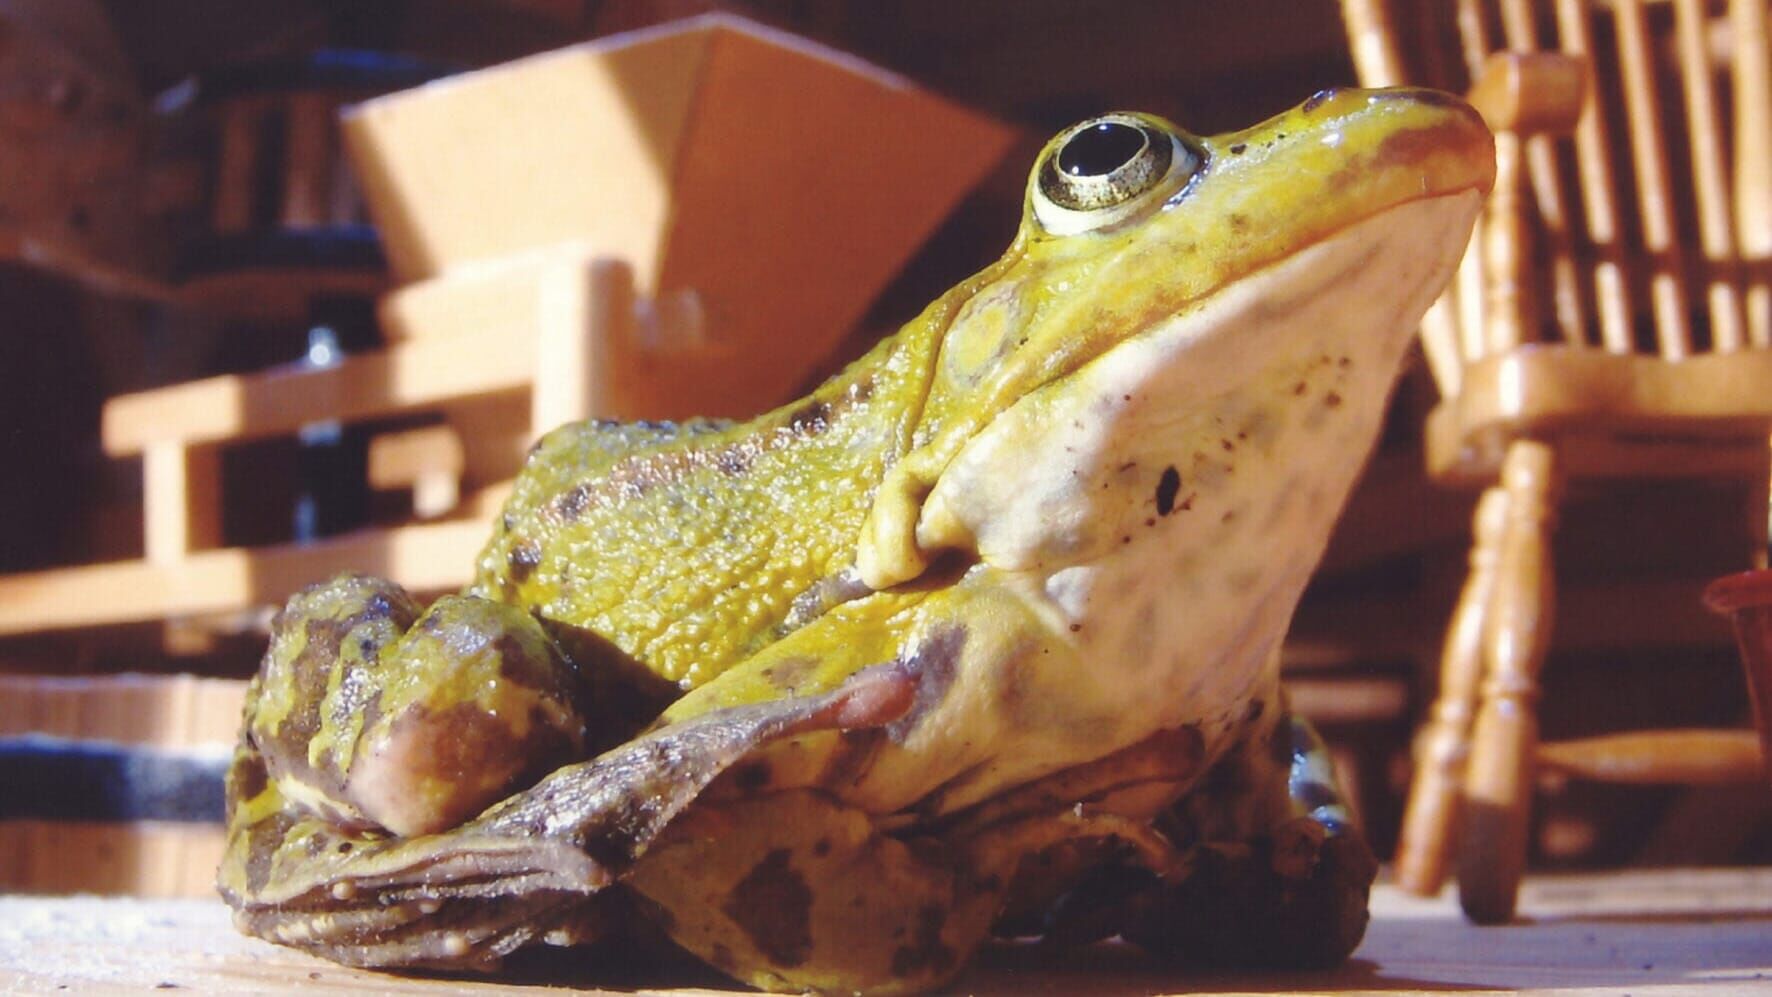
(181, 500)
(237, 165)
(144, 858)
(1549, 192)
(164, 710)
(1655, 194)
(308, 160)
(586, 339)
(430, 557)
(1372, 33)
(1599, 187)
(239, 407)
(1671, 757)
(1753, 159)
(1704, 139)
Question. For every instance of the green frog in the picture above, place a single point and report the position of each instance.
(978, 639)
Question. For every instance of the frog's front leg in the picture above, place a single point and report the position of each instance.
(1279, 875)
(356, 681)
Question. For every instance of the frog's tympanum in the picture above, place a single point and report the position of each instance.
(979, 639)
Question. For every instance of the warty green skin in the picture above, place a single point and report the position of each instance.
(926, 619)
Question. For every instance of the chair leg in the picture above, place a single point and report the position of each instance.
(1443, 744)
(1498, 781)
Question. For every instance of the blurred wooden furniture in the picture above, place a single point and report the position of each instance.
(68, 742)
(1612, 319)
(280, 221)
(177, 431)
(676, 222)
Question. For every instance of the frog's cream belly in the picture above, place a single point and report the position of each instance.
(1160, 515)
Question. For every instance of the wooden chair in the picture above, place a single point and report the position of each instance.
(1613, 319)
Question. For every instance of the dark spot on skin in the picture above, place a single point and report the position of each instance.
(344, 847)
(1167, 487)
(926, 953)
(1315, 794)
(1300, 388)
(523, 557)
(1237, 150)
(1239, 222)
(1227, 445)
(734, 460)
(772, 905)
(262, 842)
(1344, 362)
(753, 777)
(1332, 399)
(1129, 465)
(1253, 711)
(572, 504)
(1150, 522)
(1229, 515)
(249, 778)
(821, 847)
(1188, 503)
(1076, 628)
(1126, 539)
(811, 419)
(788, 673)
(1317, 99)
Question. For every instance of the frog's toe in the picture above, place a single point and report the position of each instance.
(1295, 898)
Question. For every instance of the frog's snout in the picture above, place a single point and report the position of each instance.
(1430, 130)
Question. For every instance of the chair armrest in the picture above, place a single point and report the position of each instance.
(1531, 93)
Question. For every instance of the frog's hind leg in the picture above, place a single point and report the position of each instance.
(1279, 875)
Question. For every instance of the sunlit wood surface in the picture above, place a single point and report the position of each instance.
(1660, 933)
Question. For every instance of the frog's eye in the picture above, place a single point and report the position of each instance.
(1097, 172)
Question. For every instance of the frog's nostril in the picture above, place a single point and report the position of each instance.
(1318, 99)
(1101, 148)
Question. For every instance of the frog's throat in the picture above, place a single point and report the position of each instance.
(897, 542)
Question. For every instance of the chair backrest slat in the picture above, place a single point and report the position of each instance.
(1372, 39)
(1549, 191)
(1652, 223)
(1599, 188)
(1752, 41)
(1655, 194)
(1710, 183)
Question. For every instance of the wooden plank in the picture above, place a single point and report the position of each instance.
(431, 557)
(181, 500)
(239, 407)
(165, 710)
(145, 858)
(1659, 933)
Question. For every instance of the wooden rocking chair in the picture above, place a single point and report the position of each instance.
(1613, 319)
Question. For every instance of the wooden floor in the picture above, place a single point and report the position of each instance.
(1638, 933)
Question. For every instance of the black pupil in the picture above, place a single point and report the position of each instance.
(1100, 149)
